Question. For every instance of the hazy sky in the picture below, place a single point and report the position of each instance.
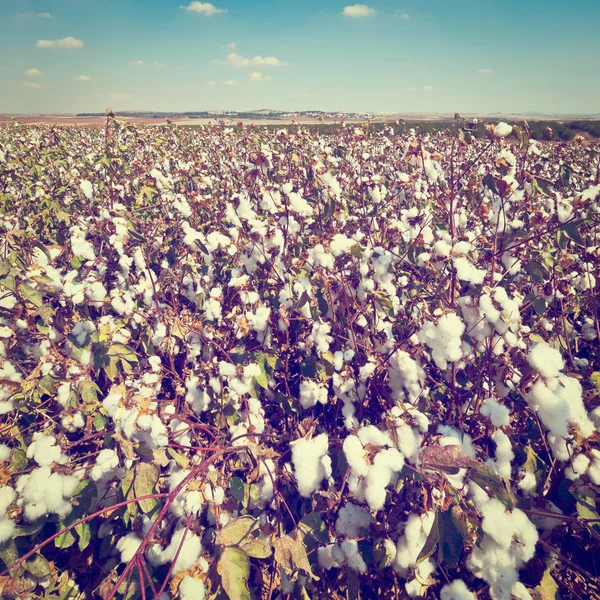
(381, 55)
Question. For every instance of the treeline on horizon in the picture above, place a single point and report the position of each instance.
(540, 129)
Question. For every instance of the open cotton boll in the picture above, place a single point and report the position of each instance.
(128, 546)
(44, 450)
(311, 463)
(311, 393)
(444, 339)
(189, 551)
(353, 521)
(504, 453)
(546, 360)
(497, 413)
(502, 130)
(331, 556)
(7, 528)
(412, 541)
(106, 462)
(593, 471)
(467, 271)
(4, 452)
(86, 187)
(457, 590)
(520, 592)
(191, 589)
(577, 467)
(7, 497)
(353, 558)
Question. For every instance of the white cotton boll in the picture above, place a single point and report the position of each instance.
(63, 393)
(311, 393)
(340, 244)
(355, 456)
(198, 399)
(189, 553)
(330, 556)
(86, 187)
(7, 497)
(504, 453)
(8, 301)
(106, 462)
(467, 271)
(412, 541)
(444, 339)
(311, 463)
(457, 590)
(528, 483)
(320, 336)
(442, 248)
(593, 471)
(44, 450)
(128, 546)
(4, 452)
(367, 370)
(259, 320)
(520, 592)
(96, 292)
(7, 528)
(354, 559)
(497, 413)
(547, 361)
(578, 467)
(191, 589)
(353, 521)
(502, 130)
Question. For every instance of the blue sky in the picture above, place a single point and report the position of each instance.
(377, 55)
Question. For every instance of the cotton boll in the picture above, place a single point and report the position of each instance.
(189, 550)
(578, 467)
(467, 271)
(497, 413)
(504, 453)
(444, 339)
(128, 546)
(593, 471)
(354, 559)
(4, 452)
(106, 462)
(311, 463)
(311, 393)
(331, 556)
(353, 521)
(355, 456)
(7, 497)
(7, 528)
(457, 590)
(546, 360)
(44, 450)
(87, 189)
(191, 589)
(502, 130)
(520, 592)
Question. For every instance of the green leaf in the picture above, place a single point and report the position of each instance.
(65, 540)
(144, 484)
(237, 530)
(31, 295)
(547, 589)
(9, 554)
(537, 271)
(485, 477)
(313, 530)
(290, 553)
(572, 232)
(234, 569)
(239, 490)
(84, 531)
(432, 540)
(38, 566)
(451, 539)
(88, 391)
(595, 380)
(100, 422)
(308, 367)
(256, 548)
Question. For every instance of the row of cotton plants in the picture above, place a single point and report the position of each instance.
(242, 362)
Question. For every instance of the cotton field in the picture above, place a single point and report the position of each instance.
(249, 363)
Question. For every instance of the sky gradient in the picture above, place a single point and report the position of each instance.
(65, 56)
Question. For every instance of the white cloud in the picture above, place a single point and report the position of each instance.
(158, 65)
(39, 15)
(231, 46)
(239, 62)
(33, 72)
(357, 11)
(138, 63)
(211, 84)
(404, 16)
(483, 71)
(32, 85)
(203, 8)
(412, 88)
(428, 88)
(228, 82)
(260, 77)
(83, 78)
(68, 42)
